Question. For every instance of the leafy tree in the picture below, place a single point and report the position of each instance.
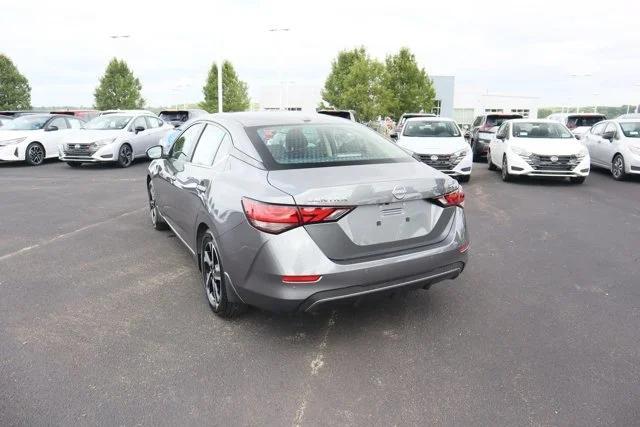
(235, 96)
(355, 83)
(118, 88)
(408, 87)
(15, 92)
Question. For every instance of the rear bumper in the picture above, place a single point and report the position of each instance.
(295, 253)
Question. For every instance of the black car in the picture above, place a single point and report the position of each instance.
(178, 117)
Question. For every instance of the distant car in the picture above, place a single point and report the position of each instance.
(406, 116)
(35, 137)
(170, 137)
(628, 116)
(5, 120)
(615, 145)
(84, 115)
(105, 112)
(178, 117)
(345, 114)
(483, 130)
(294, 211)
(527, 147)
(438, 142)
(117, 137)
(578, 123)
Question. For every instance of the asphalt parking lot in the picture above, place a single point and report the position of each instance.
(103, 319)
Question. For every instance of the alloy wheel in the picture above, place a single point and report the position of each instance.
(125, 156)
(152, 205)
(212, 274)
(36, 154)
(617, 168)
(504, 168)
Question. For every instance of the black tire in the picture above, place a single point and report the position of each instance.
(506, 176)
(74, 164)
(125, 156)
(34, 154)
(492, 167)
(577, 179)
(213, 280)
(618, 168)
(463, 178)
(157, 221)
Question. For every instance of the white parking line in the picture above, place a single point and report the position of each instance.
(70, 233)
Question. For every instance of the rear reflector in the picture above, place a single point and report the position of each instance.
(275, 218)
(310, 278)
(454, 198)
(464, 247)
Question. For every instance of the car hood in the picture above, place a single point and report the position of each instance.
(548, 146)
(85, 136)
(433, 145)
(13, 134)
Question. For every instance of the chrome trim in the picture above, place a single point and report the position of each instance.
(372, 291)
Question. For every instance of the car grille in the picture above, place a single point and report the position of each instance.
(439, 161)
(563, 163)
(79, 149)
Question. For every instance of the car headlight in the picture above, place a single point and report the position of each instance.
(12, 141)
(520, 151)
(635, 150)
(461, 153)
(103, 142)
(582, 153)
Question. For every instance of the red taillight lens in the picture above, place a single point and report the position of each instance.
(275, 219)
(310, 278)
(454, 198)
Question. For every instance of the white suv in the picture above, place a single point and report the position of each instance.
(439, 143)
(538, 148)
(615, 145)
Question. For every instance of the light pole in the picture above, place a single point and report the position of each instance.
(579, 75)
(280, 63)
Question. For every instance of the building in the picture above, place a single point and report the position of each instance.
(445, 88)
(496, 103)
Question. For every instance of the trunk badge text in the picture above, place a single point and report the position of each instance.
(399, 192)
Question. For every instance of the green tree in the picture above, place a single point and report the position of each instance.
(355, 83)
(118, 88)
(235, 96)
(15, 92)
(408, 88)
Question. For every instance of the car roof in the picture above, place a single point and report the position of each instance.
(418, 115)
(270, 118)
(127, 112)
(626, 120)
(430, 119)
(533, 121)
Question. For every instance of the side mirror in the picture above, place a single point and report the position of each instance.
(52, 128)
(155, 152)
(609, 135)
(394, 136)
(139, 129)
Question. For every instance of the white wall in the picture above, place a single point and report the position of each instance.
(445, 88)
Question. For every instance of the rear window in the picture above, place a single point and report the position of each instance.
(343, 114)
(498, 120)
(174, 116)
(430, 128)
(322, 145)
(580, 121)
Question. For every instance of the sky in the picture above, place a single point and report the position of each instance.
(565, 52)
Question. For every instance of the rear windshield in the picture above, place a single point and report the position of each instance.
(430, 128)
(631, 130)
(580, 121)
(174, 116)
(540, 130)
(322, 145)
(343, 114)
(498, 120)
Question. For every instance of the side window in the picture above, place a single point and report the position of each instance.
(208, 145)
(186, 142)
(74, 123)
(598, 129)
(139, 122)
(59, 122)
(153, 122)
(223, 152)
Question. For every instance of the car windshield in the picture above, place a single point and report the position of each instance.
(319, 145)
(581, 121)
(498, 120)
(431, 128)
(108, 122)
(27, 123)
(631, 129)
(540, 130)
(174, 116)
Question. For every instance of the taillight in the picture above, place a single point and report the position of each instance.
(454, 198)
(276, 218)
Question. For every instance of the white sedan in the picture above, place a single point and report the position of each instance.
(439, 143)
(538, 148)
(35, 137)
(117, 137)
(615, 145)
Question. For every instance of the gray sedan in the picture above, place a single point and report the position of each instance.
(290, 211)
